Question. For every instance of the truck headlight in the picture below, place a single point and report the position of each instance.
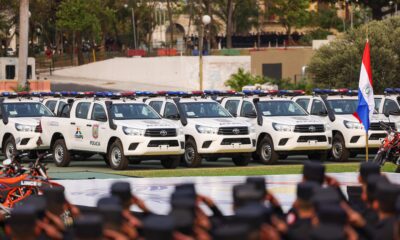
(283, 127)
(206, 130)
(25, 128)
(353, 125)
(133, 131)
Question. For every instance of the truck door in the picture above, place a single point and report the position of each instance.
(248, 113)
(97, 129)
(79, 133)
(318, 109)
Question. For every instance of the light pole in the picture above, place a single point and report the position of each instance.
(205, 20)
(23, 42)
(133, 25)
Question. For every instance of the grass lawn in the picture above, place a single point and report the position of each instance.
(243, 171)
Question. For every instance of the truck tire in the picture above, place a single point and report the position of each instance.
(266, 152)
(171, 162)
(9, 148)
(319, 156)
(61, 155)
(243, 160)
(191, 157)
(116, 156)
(339, 151)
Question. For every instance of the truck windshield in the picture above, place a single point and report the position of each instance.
(21, 109)
(205, 110)
(131, 111)
(344, 106)
(281, 108)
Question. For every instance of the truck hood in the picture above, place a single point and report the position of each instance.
(218, 122)
(295, 120)
(145, 124)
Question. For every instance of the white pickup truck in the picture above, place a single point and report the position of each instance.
(389, 105)
(20, 125)
(210, 130)
(282, 127)
(119, 129)
(336, 107)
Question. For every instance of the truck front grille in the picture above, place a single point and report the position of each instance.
(309, 128)
(233, 131)
(160, 132)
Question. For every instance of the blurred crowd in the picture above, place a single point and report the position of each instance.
(321, 211)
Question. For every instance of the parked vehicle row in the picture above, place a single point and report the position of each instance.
(180, 127)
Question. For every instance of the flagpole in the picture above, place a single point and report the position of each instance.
(366, 146)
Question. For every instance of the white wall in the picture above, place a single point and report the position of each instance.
(163, 71)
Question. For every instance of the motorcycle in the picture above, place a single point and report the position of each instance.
(17, 182)
(390, 148)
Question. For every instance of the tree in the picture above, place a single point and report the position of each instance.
(291, 13)
(338, 64)
(242, 78)
(79, 17)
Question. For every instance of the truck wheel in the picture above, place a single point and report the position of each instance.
(171, 162)
(61, 155)
(191, 157)
(266, 152)
(241, 160)
(9, 148)
(339, 151)
(116, 156)
(319, 156)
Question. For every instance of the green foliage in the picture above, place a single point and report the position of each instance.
(291, 13)
(22, 88)
(318, 33)
(242, 78)
(79, 16)
(338, 64)
(326, 18)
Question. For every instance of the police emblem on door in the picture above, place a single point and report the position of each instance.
(95, 131)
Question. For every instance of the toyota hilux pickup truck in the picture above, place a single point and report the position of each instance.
(282, 127)
(389, 105)
(336, 107)
(210, 130)
(20, 125)
(119, 129)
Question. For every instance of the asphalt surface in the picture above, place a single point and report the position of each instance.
(96, 168)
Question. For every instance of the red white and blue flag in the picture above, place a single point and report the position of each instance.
(366, 102)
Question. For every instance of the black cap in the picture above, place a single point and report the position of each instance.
(253, 214)
(111, 210)
(246, 193)
(23, 216)
(314, 171)
(158, 227)
(372, 182)
(232, 232)
(328, 232)
(306, 190)
(88, 226)
(386, 194)
(122, 190)
(184, 221)
(369, 168)
(332, 214)
(186, 189)
(54, 194)
(182, 200)
(39, 203)
(326, 196)
(259, 183)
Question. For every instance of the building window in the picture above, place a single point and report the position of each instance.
(29, 72)
(10, 71)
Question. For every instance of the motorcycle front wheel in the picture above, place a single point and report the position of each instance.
(380, 158)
